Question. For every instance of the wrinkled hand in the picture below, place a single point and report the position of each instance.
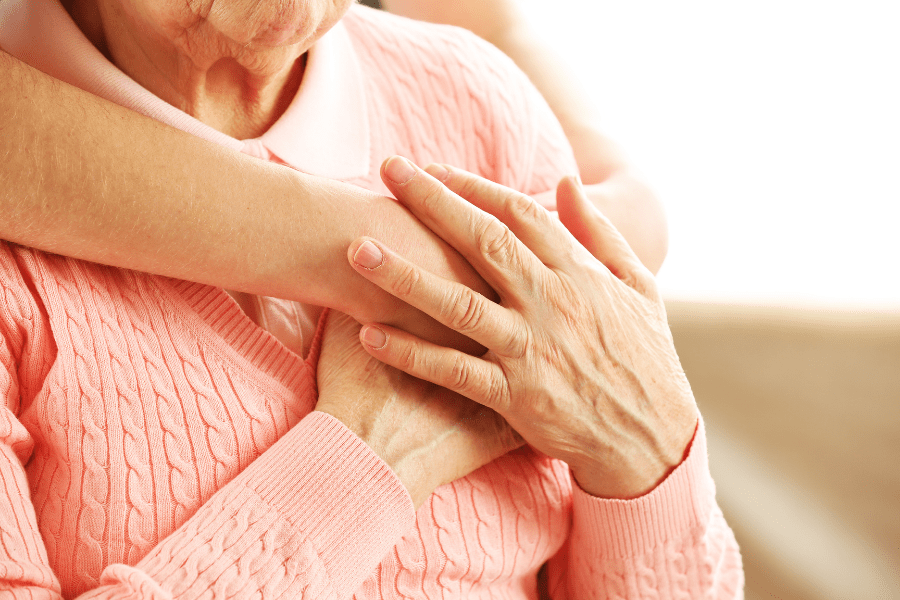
(580, 358)
(428, 435)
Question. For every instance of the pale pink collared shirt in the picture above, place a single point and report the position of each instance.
(324, 131)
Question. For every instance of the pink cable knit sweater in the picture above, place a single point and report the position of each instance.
(156, 442)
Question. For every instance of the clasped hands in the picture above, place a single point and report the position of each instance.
(580, 362)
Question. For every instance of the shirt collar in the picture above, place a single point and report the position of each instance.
(324, 131)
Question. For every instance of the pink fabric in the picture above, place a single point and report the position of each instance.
(155, 442)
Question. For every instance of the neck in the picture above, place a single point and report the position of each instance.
(238, 89)
(227, 96)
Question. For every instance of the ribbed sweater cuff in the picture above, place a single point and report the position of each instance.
(316, 514)
(622, 528)
(325, 481)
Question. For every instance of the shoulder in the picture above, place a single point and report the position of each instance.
(478, 109)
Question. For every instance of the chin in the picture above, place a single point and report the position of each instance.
(297, 21)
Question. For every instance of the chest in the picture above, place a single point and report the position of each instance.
(483, 536)
(152, 405)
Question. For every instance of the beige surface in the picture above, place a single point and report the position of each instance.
(803, 411)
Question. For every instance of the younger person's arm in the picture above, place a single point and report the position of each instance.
(84, 177)
(611, 184)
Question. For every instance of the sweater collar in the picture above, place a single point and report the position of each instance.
(324, 131)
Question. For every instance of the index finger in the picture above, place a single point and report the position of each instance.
(488, 244)
(529, 221)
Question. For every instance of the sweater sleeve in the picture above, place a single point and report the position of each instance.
(312, 516)
(670, 543)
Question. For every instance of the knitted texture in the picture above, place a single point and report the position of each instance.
(156, 443)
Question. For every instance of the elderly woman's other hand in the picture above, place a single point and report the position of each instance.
(428, 435)
(580, 358)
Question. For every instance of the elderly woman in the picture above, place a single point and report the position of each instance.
(75, 209)
(169, 439)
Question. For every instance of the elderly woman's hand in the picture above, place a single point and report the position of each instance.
(428, 435)
(580, 358)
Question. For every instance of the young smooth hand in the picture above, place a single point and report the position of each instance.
(580, 358)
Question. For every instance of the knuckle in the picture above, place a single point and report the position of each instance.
(465, 185)
(464, 313)
(637, 277)
(406, 282)
(496, 395)
(650, 287)
(460, 377)
(406, 358)
(432, 196)
(628, 278)
(521, 208)
(517, 341)
(497, 242)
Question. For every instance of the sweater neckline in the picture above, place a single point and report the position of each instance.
(325, 131)
(229, 330)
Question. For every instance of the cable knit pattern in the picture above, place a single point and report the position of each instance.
(156, 443)
(428, 83)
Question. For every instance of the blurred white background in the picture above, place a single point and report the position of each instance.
(771, 130)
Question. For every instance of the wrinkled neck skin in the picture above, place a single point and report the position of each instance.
(233, 64)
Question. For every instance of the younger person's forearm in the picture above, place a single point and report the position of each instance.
(86, 178)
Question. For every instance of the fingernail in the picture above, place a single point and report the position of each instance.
(399, 170)
(437, 171)
(374, 337)
(368, 256)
